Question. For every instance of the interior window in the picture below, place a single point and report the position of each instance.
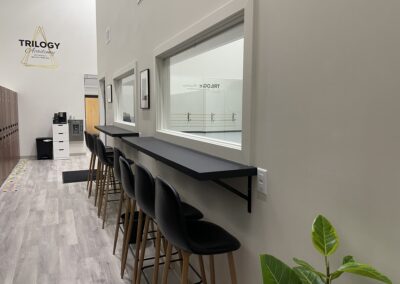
(126, 103)
(203, 92)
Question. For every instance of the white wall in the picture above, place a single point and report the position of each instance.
(43, 92)
(326, 113)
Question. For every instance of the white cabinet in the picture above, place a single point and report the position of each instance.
(60, 141)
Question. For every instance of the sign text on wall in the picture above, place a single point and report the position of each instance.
(39, 52)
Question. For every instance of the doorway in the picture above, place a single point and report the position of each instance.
(92, 103)
(92, 113)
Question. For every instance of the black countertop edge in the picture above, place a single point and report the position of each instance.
(245, 171)
(115, 131)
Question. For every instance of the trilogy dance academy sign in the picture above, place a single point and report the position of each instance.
(39, 52)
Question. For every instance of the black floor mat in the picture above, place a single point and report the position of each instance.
(76, 176)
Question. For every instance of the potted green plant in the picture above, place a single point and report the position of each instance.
(326, 241)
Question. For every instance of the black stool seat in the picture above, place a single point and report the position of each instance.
(206, 238)
(109, 149)
(104, 156)
(191, 212)
(109, 161)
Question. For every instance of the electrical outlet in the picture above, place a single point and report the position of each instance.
(108, 35)
(262, 181)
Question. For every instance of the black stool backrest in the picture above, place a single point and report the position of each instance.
(92, 142)
(117, 168)
(87, 139)
(169, 215)
(145, 190)
(90, 139)
(127, 178)
(101, 150)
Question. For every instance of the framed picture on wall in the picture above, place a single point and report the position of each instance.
(145, 89)
(109, 93)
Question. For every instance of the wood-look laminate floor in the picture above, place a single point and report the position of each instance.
(50, 232)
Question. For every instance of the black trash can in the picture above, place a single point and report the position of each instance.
(44, 148)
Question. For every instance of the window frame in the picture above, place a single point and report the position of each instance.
(224, 18)
(128, 70)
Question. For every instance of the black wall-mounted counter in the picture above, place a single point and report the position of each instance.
(195, 164)
(115, 131)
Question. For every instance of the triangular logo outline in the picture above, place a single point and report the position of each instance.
(25, 60)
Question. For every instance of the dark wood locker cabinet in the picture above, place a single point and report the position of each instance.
(8, 105)
(2, 128)
(9, 132)
(3, 135)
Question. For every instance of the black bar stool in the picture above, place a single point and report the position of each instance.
(191, 237)
(106, 178)
(128, 186)
(117, 174)
(90, 145)
(92, 141)
(145, 196)
(91, 159)
(99, 170)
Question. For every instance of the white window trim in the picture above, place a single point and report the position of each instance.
(129, 69)
(220, 19)
(102, 83)
(102, 106)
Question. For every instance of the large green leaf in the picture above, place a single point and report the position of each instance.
(275, 271)
(364, 270)
(324, 236)
(307, 277)
(346, 259)
(308, 267)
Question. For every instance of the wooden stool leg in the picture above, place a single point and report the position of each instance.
(126, 225)
(167, 263)
(118, 221)
(232, 269)
(132, 206)
(185, 268)
(113, 179)
(142, 250)
(97, 181)
(164, 245)
(102, 187)
(90, 171)
(153, 234)
(137, 246)
(98, 195)
(212, 270)
(157, 257)
(180, 259)
(91, 178)
(202, 270)
(108, 182)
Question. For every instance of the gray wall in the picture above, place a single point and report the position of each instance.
(326, 112)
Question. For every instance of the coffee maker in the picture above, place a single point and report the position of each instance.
(60, 118)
